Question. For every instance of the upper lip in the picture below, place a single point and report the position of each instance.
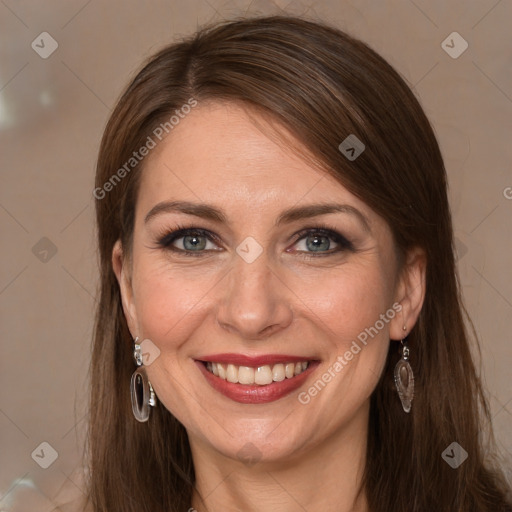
(243, 360)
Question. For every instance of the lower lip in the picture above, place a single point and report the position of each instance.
(247, 394)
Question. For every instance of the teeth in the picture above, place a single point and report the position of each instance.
(278, 372)
(245, 375)
(290, 370)
(232, 373)
(262, 375)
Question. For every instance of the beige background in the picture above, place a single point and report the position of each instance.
(52, 112)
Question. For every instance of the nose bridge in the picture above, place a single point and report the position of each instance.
(253, 301)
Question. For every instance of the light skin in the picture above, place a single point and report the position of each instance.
(289, 300)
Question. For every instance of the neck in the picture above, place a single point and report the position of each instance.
(324, 477)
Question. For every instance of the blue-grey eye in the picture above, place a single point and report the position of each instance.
(193, 242)
(321, 241)
(318, 243)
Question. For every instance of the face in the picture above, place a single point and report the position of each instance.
(252, 273)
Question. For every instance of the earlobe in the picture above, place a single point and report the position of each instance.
(410, 293)
(119, 265)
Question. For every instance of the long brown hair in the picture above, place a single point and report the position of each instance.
(323, 85)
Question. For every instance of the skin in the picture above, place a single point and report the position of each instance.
(307, 456)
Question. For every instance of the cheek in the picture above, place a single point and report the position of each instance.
(170, 310)
(168, 303)
(352, 308)
(343, 302)
(347, 300)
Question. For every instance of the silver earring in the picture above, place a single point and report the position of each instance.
(404, 378)
(142, 393)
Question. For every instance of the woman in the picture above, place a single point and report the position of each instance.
(280, 324)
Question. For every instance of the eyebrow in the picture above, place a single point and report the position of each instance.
(289, 215)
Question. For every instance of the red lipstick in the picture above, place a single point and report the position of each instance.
(255, 394)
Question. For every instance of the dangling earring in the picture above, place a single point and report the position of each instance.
(142, 393)
(404, 378)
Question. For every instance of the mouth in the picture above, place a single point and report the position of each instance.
(252, 381)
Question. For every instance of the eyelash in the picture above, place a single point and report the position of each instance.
(166, 239)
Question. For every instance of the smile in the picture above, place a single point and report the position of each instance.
(255, 380)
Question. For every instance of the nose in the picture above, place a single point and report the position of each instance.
(255, 302)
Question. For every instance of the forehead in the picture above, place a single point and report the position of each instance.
(223, 154)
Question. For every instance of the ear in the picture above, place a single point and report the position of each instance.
(121, 268)
(410, 293)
